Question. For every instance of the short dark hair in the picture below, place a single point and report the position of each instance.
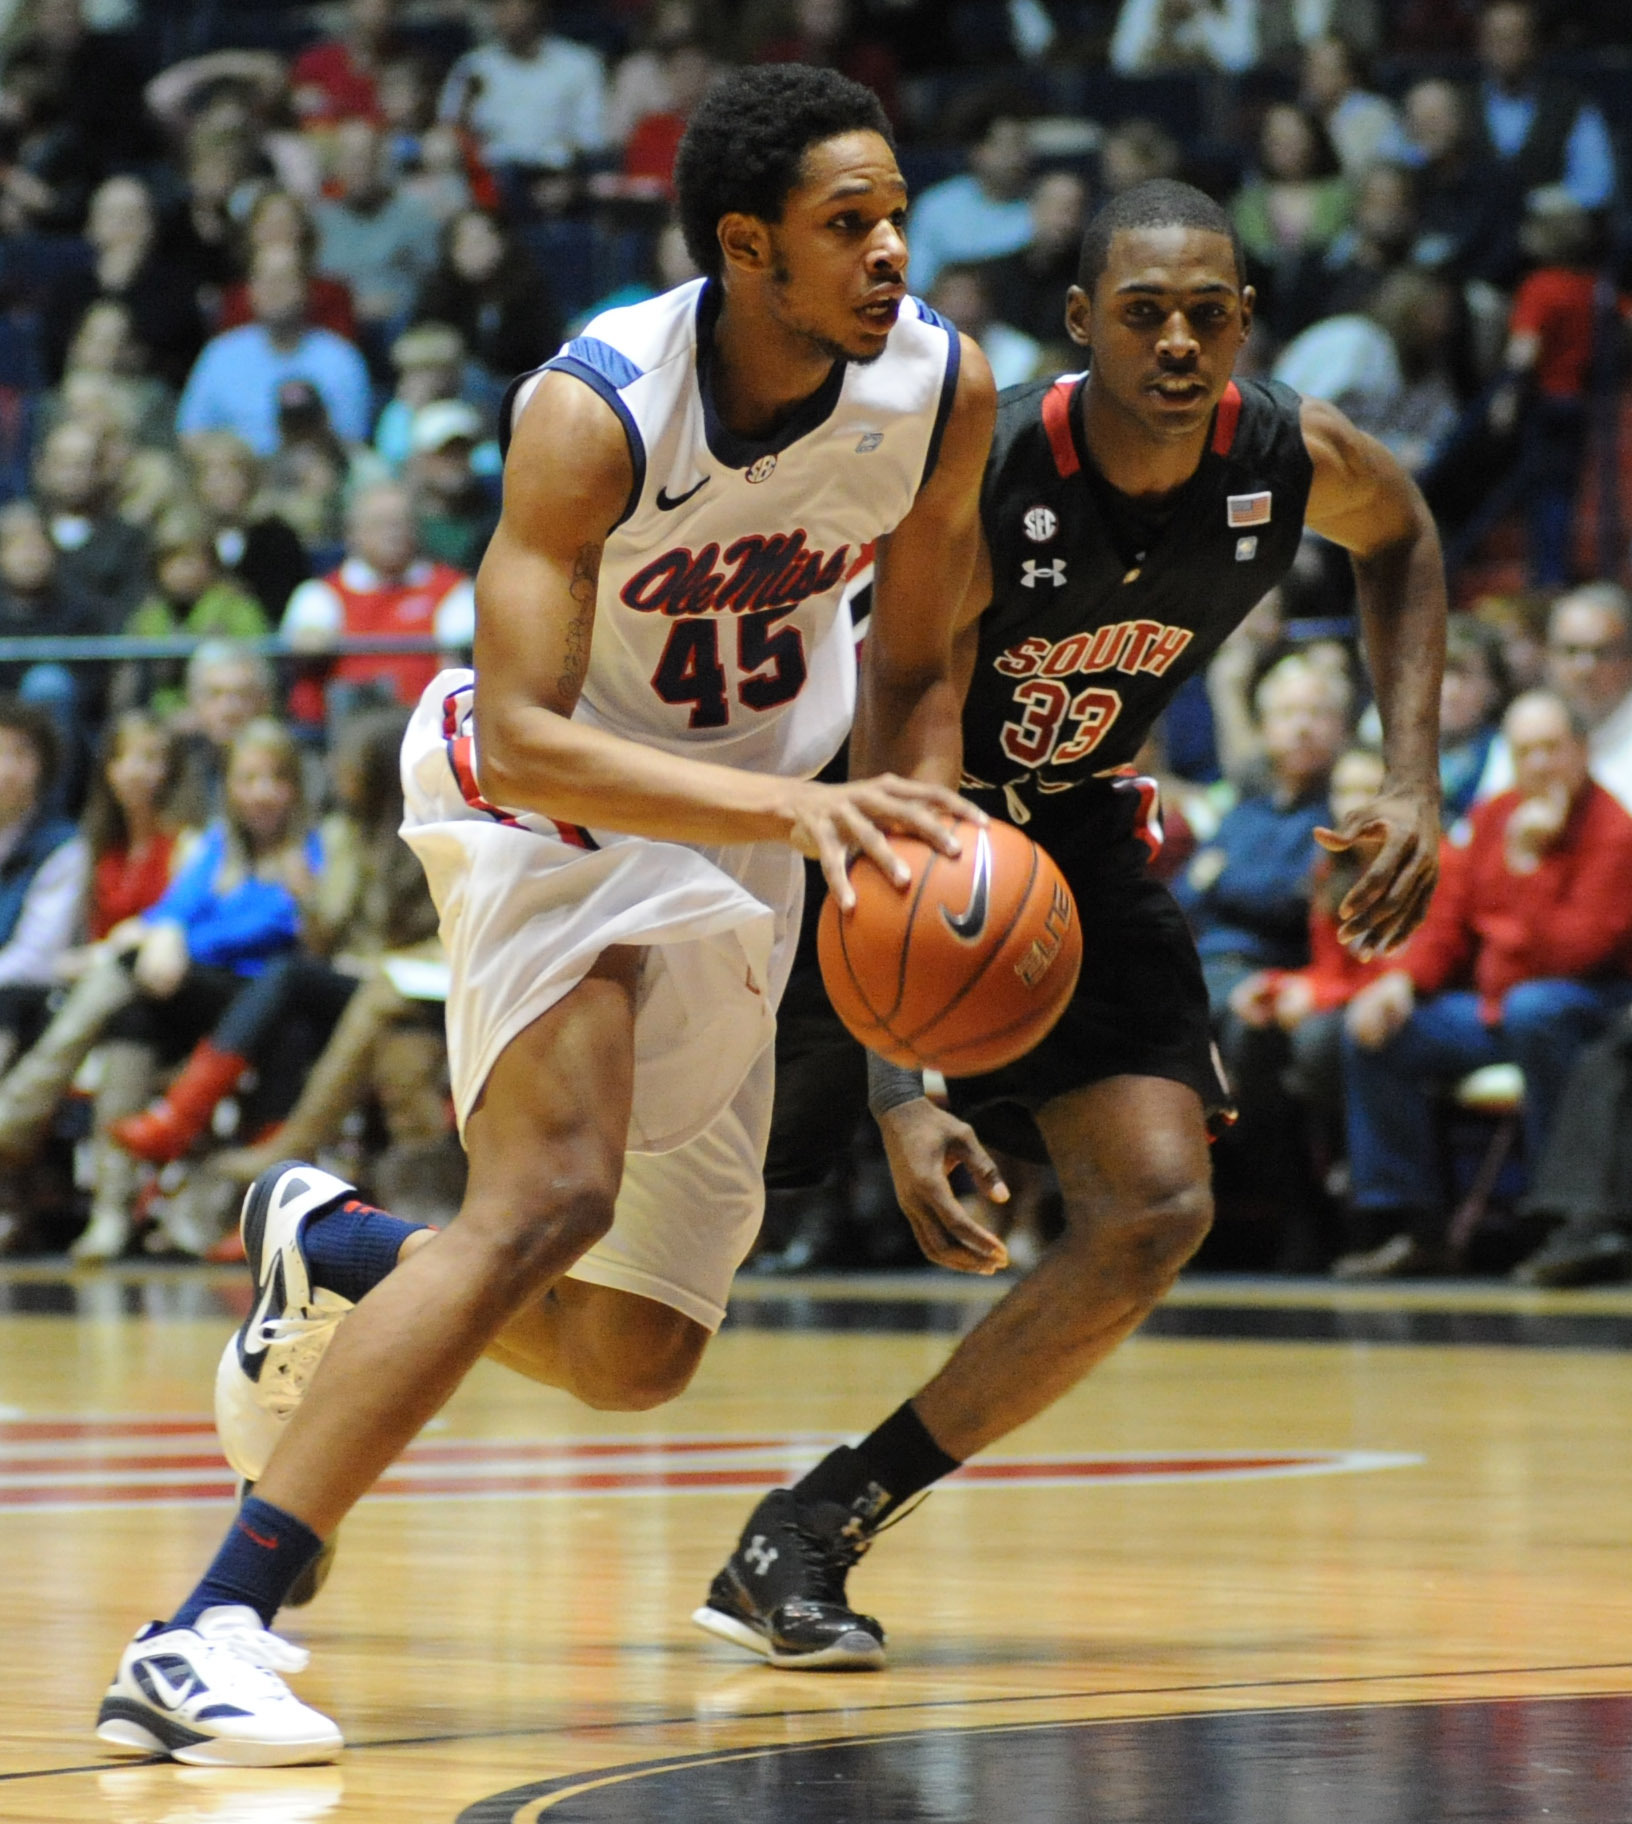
(745, 145)
(39, 731)
(1161, 203)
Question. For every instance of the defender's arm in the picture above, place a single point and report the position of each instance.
(1362, 499)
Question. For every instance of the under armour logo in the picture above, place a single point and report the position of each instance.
(760, 1555)
(870, 440)
(1035, 573)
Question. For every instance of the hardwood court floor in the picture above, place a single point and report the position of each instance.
(1341, 1540)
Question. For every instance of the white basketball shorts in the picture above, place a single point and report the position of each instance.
(526, 907)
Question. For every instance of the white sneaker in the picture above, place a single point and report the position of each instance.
(270, 1359)
(210, 1695)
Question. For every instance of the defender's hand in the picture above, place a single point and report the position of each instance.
(1398, 835)
(833, 822)
(923, 1143)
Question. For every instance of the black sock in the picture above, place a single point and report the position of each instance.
(887, 1468)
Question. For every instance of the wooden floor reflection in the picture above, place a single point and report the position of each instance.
(1301, 1556)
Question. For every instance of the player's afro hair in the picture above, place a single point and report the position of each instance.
(1160, 203)
(746, 142)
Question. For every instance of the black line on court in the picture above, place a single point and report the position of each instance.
(930, 1703)
(1515, 1760)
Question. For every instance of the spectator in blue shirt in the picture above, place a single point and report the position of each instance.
(234, 383)
(982, 215)
(235, 905)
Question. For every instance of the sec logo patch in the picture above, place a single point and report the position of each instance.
(763, 470)
(1040, 525)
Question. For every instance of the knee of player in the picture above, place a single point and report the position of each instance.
(538, 1231)
(1145, 1244)
(639, 1378)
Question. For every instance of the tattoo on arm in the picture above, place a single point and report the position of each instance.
(586, 571)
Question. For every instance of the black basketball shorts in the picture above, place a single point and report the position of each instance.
(1140, 1007)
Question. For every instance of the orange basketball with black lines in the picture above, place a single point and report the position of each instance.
(964, 969)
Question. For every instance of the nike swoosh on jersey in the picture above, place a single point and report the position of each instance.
(666, 503)
(969, 923)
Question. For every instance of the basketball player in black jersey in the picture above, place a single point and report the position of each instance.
(1131, 518)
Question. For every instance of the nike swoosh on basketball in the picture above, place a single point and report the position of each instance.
(666, 503)
(969, 923)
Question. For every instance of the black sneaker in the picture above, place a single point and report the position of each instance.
(781, 1593)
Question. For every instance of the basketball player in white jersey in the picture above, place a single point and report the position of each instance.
(612, 811)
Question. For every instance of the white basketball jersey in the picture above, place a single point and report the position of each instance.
(722, 617)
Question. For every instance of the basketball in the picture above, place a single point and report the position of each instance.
(965, 968)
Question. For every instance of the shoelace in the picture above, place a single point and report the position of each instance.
(832, 1556)
(301, 1340)
(252, 1648)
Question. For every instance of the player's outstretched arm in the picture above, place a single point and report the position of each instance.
(1362, 499)
(567, 483)
(908, 702)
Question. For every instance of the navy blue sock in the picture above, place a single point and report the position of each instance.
(352, 1247)
(257, 1565)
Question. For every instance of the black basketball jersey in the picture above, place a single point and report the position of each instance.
(1082, 648)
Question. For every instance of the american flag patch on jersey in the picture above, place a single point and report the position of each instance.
(1248, 509)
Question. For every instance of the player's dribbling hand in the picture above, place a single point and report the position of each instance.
(1397, 835)
(923, 1144)
(834, 822)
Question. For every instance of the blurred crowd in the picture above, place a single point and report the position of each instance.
(265, 276)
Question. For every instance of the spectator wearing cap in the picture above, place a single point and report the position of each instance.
(381, 242)
(234, 383)
(536, 102)
(385, 585)
(455, 506)
(981, 215)
(430, 363)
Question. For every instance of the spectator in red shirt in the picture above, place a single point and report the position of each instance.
(651, 148)
(339, 78)
(1552, 338)
(1526, 955)
(385, 586)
